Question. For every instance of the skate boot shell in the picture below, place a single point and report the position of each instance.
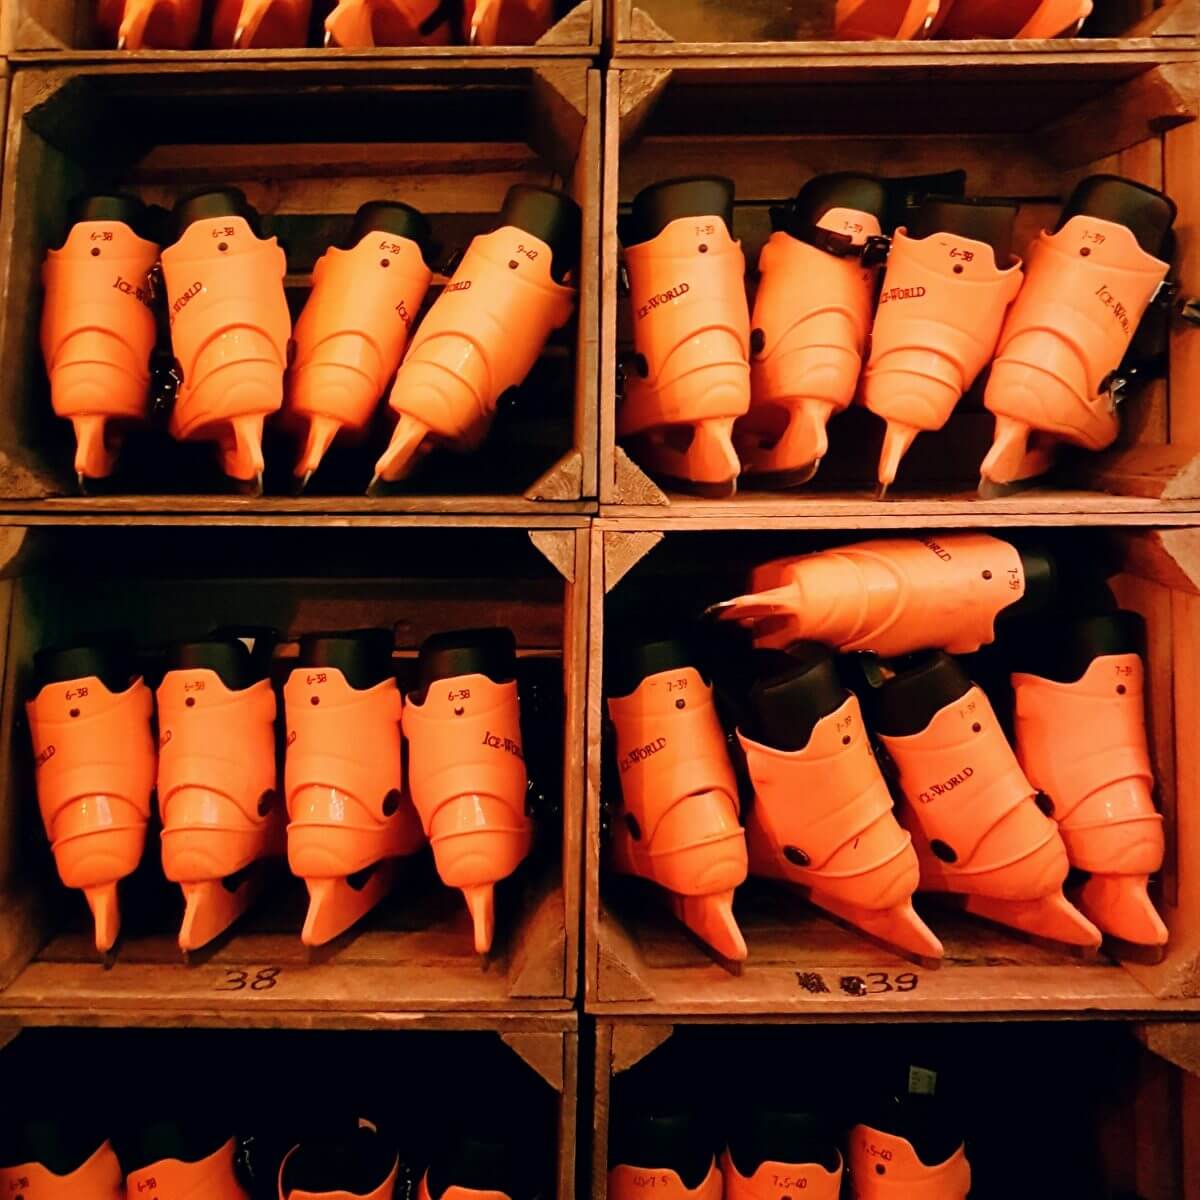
(1081, 740)
(893, 596)
(349, 816)
(95, 762)
(230, 328)
(950, 279)
(96, 1177)
(354, 327)
(474, 1168)
(769, 1146)
(217, 780)
(149, 24)
(822, 815)
(1086, 289)
(212, 1177)
(506, 22)
(810, 323)
(466, 765)
(359, 24)
(884, 20)
(357, 1167)
(261, 24)
(678, 824)
(906, 1153)
(690, 378)
(1002, 19)
(486, 330)
(976, 825)
(669, 1147)
(98, 328)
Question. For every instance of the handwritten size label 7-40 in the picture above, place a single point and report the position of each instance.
(870, 983)
(264, 979)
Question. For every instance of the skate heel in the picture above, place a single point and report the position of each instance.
(351, 25)
(1015, 455)
(1052, 917)
(93, 458)
(408, 446)
(335, 904)
(211, 906)
(1121, 906)
(271, 24)
(711, 919)
(792, 457)
(481, 904)
(321, 434)
(159, 25)
(699, 456)
(102, 899)
(241, 452)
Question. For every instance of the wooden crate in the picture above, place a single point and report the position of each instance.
(1022, 127)
(308, 143)
(664, 29)
(640, 961)
(409, 1081)
(1099, 1109)
(415, 953)
(65, 31)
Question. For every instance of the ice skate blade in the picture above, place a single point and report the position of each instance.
(106, 915)
(1120, 906)
(481, 904)
(211, 907)
(990, 490)
(711, 919)
(409, 444)
(121, 42)
(898, 929)
(770, 481)
(1053, 918)
(334, 905)
(881, 491)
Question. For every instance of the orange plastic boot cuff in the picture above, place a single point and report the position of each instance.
(98, 1179)
(360, 24)
(885, 1167)
(774, 1179)
(631, 1183)
(212, 1178)
(884, 20)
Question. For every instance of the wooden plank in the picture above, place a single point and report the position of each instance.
(1178, 1042)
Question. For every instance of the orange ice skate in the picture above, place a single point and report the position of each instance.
(474, 1168)
(976, 824)
(358, 24)
(186, 1177)
(217, 780)
(94, 756)
(261, 24)
(690, 378)
(1088, 285)
(149, 24)
(360, 1166)
(229, 326)
(810, 323)
(893, 596)
(907, 1154)
(98, 327)
(678, 822)
(506, 22)
(822, 815)
(950, 279)
(484, 333)
(1010, 18)
(77, 1172)
(354, 327)
(350, 818)
(1081, 740)
(768, 1146)
(670, 1148)
(884, 20)
(466, 765)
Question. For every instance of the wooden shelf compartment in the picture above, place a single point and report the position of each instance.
(65, 31)
(666, 29)
(1046, 1109)
(408, 1082)
(640, 962)
(1020, 128)
(415, 952)
(308, 143)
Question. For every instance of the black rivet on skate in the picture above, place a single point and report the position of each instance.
(976, 728)
(458, 712)
(391, 803)
(385, 262)
(315, 701)
(880, 1169)
(1085, 251)
(1044, 803)
(1120, 689)
(634, 828)
(758, 341)
(190, 702)
(680, 703)
(222, 246)
(512, 266)
(846, 740)
(266, 802)
(74, 712)
(958, 268)
(796, 856)
(703, 248)
(95, 251)
(943, 851)
(987, 574)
